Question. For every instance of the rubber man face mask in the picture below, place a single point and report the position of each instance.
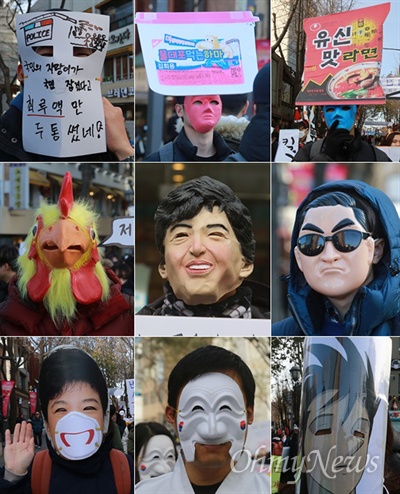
(345, 114)
(204, 112)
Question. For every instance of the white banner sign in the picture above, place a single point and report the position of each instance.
(200, 326)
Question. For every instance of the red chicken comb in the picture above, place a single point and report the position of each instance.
(66, 199)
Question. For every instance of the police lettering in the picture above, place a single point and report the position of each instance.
(37, 35)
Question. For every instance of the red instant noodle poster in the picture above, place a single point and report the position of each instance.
(343, 57)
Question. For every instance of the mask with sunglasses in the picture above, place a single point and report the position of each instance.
(313, 244)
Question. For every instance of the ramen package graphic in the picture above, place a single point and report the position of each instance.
(343, 57)
(62, 55)
(188, 53)
(344, 414)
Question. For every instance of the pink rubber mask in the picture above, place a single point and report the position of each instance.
(204, 112)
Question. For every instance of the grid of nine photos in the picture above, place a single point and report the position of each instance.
(125, 196)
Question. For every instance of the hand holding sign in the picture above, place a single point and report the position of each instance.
(117, 138)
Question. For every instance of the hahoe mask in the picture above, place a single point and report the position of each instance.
(211, 410)
(77, 436)
(204, 112)
(63, 113)
(157, 458)
(345, 114)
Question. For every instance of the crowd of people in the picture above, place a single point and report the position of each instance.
(337, 137)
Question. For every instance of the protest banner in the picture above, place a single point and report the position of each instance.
(33, 401)
(6, 389)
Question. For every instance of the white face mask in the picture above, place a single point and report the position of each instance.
(157, 458)
(77, 436)
(211, 410)
(301, 133)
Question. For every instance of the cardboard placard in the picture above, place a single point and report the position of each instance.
(191, 53)
(288, 145)
(343, 58)
(62, 111)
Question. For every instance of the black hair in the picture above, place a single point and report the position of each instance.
(123, 270)
(9, 255)
(206, 359)
(186, 201)
(301, 125)
(232, 104)
(363, 211)
(179, 99)
(65, 366)
(389, 139)
(144, 431)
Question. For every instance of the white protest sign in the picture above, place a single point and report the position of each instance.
(200, 326)
(123, 233)
(62, 57)
(130, 391)
(288, 145)
(392, 151)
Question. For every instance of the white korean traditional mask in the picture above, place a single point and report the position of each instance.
(77, 436)
(211, 410)
(62, 111)
(157, 458)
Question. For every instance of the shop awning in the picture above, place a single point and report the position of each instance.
(118, 192)
(105, 189)
(56, 178)
(59, 179)
(36, 178)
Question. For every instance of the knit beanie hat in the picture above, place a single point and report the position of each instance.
(261, 86)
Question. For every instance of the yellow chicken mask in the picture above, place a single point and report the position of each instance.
(61, 265)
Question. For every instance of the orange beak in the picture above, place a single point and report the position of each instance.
(63, 244)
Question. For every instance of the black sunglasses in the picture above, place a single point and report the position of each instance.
(313, 244)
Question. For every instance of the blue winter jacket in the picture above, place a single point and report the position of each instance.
(375, 310)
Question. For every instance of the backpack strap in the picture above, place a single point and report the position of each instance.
(41, 473)
(121, 470)
(167, 152)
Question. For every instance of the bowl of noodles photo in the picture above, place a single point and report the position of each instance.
(357, 82)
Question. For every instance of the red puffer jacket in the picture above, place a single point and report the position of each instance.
(26, 318)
